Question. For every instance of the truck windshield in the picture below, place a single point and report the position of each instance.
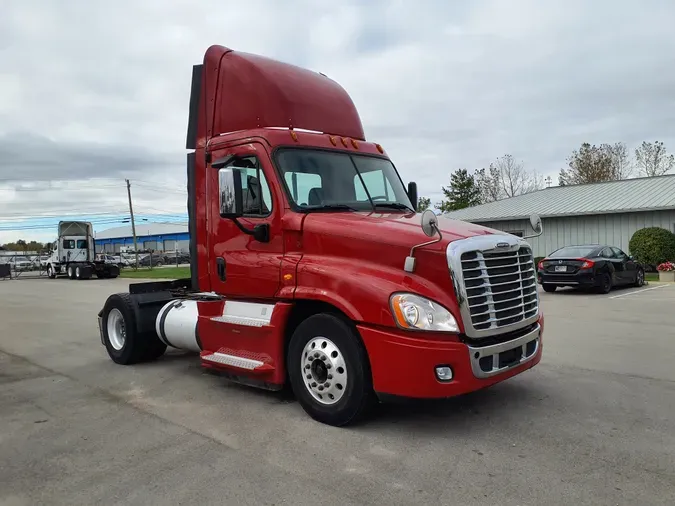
(341, 181)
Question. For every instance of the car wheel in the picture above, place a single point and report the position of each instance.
(640, 278)
(549, 288)
(329, 370)
(605, 283)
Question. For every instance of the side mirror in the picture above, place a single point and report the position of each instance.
(229, 192)
(430, 228)
(535, 223)
(429, 223)
(412, 193)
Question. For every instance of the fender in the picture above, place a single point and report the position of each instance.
(363, 294)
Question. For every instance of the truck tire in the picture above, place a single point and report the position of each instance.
(82, 272)
(70, 271)
(125, 345)
(329, 370)
(51, 272)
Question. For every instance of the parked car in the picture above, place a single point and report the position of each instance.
(589, 266)
(154, 260)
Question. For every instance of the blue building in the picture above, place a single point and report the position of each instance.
(149, 236)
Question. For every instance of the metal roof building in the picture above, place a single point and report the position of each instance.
(154, 236)
(608, 213)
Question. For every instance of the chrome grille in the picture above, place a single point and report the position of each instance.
(500, 287)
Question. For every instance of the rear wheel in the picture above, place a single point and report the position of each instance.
(605, 285)
(125, 345)
(640, 278)
(329, 370)
(549, 288)
(71, 272)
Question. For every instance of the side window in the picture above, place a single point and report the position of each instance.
(607, 253)
(300, 184)
(619, 254)
(68, 244)
(255, 190)
(82, 244)
(378, 186)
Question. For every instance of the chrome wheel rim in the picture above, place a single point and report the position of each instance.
(641, 278)
(117, 331)
(324, 371)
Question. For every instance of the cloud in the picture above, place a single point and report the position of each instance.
(100, 89)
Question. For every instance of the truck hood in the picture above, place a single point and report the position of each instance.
(392, 229)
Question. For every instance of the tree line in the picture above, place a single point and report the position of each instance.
(507, 177)
(22, 245)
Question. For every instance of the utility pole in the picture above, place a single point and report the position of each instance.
(133, 224)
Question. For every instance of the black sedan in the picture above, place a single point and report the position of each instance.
(595, 266)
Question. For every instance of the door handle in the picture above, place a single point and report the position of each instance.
(220, 268)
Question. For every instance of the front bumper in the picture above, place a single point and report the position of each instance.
(405, 366)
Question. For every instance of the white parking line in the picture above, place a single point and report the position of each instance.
(638, 291)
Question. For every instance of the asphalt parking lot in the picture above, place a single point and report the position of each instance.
(593, 423)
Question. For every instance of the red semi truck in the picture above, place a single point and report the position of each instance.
(310, 266)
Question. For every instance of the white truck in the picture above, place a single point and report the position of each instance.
(74, 254)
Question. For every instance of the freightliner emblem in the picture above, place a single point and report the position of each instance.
(502, 244)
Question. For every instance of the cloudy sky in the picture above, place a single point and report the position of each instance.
(93, 92)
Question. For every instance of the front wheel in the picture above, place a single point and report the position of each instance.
(640, 278)
(51, 273)
(329, 370)
(548, 288)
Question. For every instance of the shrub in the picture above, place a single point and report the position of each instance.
(537, 260)
(653, 245)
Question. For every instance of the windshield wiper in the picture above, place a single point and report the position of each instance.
(393, 205)
(330, 207)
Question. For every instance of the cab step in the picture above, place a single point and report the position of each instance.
(230, 359)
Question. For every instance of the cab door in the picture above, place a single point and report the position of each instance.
(240, 265)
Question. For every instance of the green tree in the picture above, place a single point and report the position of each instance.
(423, 203)
(462, 192)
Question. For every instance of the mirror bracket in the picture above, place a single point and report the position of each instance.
(260, 233)
(430, 227)
(537, 226)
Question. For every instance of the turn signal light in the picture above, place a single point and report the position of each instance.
(587, 264)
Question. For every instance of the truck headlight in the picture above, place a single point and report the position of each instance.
(415, 312)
